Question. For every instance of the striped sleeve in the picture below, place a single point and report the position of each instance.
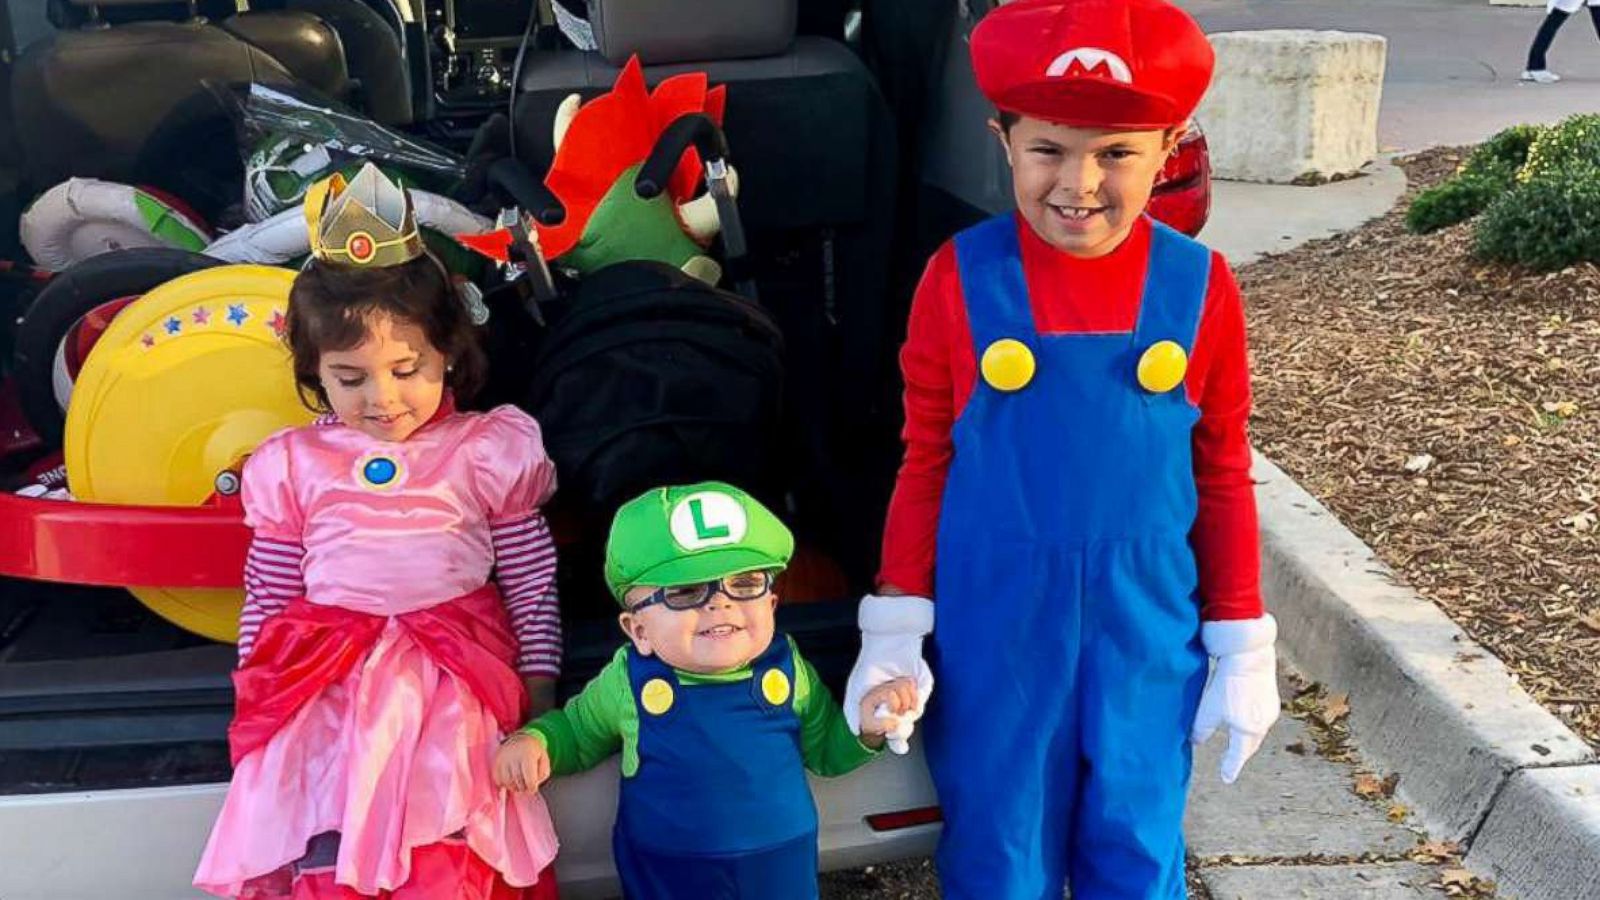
(525, 568)
(272, 577)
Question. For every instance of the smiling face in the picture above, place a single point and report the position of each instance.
(1082, 189)
(388, 385)
(720, 636)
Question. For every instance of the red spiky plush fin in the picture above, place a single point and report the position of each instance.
(610, 133)
(494, 244)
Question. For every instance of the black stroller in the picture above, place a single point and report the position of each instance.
(639, 374)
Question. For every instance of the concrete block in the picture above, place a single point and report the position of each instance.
(1426, 701)
(1542, 841)
(1288, 105)
(1405, 881)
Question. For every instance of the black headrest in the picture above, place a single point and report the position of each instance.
(667, 31)
(74, 13)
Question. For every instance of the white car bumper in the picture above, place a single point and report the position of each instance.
(144, 844)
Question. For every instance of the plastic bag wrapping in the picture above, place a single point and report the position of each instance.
(291, 137)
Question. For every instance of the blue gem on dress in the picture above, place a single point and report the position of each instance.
(379, 471)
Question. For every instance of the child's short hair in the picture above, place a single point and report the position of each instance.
(330, 305)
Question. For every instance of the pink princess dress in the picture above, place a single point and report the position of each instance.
(381, 666)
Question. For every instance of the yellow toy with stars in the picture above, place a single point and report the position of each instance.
(186, 381)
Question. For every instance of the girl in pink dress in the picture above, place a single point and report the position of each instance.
(380, 664)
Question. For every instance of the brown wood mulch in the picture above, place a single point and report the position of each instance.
(1447, 410)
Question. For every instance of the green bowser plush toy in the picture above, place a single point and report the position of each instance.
(600, 147)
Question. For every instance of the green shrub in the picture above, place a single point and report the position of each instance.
(1490, 170)
(1508, 148)
(1576, 139)
(1547, 223)
(1460, 198)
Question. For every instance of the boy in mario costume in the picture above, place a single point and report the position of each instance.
(716, 714)
(1075, 500)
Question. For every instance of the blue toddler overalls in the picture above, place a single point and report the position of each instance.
(1067, 648)
(719, 808)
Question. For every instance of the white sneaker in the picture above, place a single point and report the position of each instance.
(1541, 76)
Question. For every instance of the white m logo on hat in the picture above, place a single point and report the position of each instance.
(1081, 61)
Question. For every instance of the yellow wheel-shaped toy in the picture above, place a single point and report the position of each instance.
(182, 386)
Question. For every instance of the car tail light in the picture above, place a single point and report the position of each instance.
(1182, 195)
(906, 818)
(1189, 164)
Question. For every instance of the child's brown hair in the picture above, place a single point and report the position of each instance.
(330, 307)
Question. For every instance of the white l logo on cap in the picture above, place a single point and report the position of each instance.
(707, 519)
(1089, 59)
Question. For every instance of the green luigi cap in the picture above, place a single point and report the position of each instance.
(692, 533)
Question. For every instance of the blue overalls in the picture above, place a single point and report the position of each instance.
(719, 808)
(1067, 648)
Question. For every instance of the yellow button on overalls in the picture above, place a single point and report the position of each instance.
(1162, 367)
(775, 687)
(1007, 365)
(656, 696)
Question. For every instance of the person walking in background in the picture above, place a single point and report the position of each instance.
(1558, 11)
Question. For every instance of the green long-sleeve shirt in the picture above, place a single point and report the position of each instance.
(604, 718)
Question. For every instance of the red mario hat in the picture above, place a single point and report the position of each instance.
(1135, 64)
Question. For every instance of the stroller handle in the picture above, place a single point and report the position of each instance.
(698, 130)
(535, 199)
(690, 129)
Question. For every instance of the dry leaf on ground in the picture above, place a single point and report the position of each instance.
(1335, 708)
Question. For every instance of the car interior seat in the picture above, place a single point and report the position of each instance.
(373, 52)
(813, 141)
(87, 98)
(121, 91)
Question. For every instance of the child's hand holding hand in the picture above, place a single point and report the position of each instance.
(882, 707)
(521, 763)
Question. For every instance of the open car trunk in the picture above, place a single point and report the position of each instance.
(97, 693)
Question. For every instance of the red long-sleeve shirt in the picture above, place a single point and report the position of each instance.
(1070, 295)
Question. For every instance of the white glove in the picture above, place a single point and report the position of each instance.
(892, 629)
(1243, 691)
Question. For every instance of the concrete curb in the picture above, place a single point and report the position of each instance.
(1427, 702)
(1543, 834)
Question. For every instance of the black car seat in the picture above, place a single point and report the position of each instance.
(303, 43)
(88, 98)
(373, 53)
(813, 142)
(122, 90)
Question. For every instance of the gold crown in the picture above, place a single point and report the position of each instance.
(367, 221)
